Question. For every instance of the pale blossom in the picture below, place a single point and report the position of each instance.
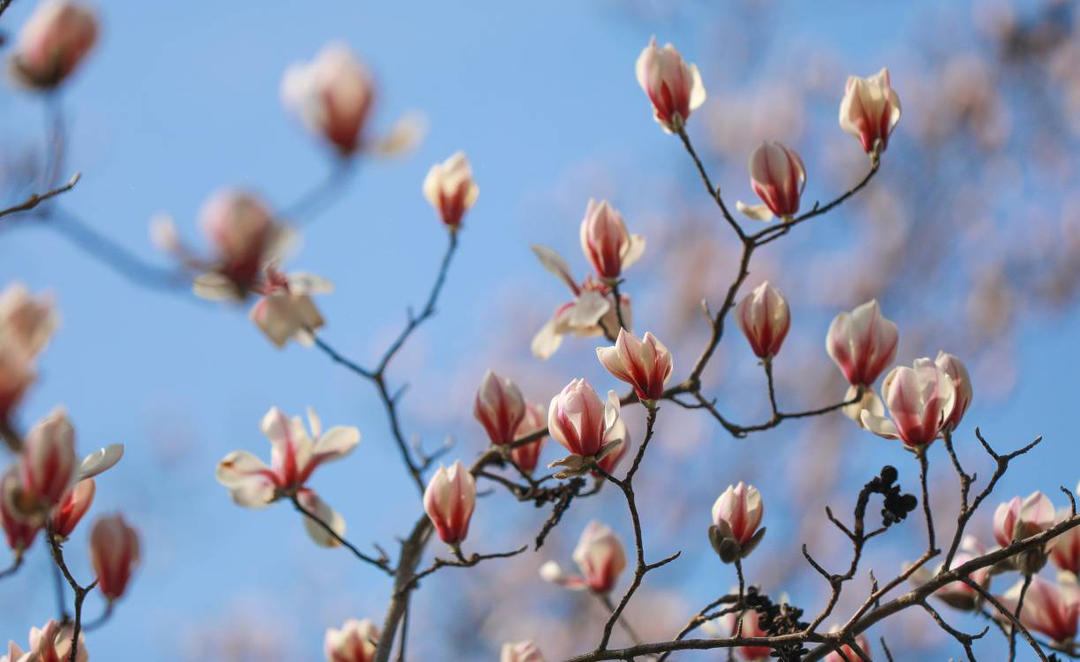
(764, 319)
(870, 110)
(449, 501)
(52, 43)
(919, 399)
(26, 321)
(285, 310)
(605, 241)
(674, 88)
(451, 190)
(644, 363)
(356, 641)
(520, 651)
(778, 177)
(51, 643)
(600, 557)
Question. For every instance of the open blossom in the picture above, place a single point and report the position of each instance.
(645, 364)
(449, 501)
(67, 514)
(26, 321)
(778, 177)
(527, 455)
(521, 651)
(870, 110)
(1065, 549)
(285, 310)
(499, 407)
(764, 318)
(673, 87)
(451, 190)
(590, 312)
(354, 642)
(1050, 609)
(53, 42)
(958, 594)
(51, 643)
(920, 400)
(114, 553)
(607, 244)
(600, 557)
(580, 421)
(957, 372)
(246, 238)
(736, 515)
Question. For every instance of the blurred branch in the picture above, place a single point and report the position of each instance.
(80, 591)
(36, 199)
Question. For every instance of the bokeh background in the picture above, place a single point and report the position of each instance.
(970, 238)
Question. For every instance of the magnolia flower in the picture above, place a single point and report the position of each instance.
(114, 553)
(778, 177)
(1065, 549)
(862, 343)
(66, 515)
(521, 651)
(958, 594)
(26, 322)
(354, 642)
(764, 318)
(591, 313)
(526, 456)
(750, 627)
(736, 515)
(19, 532)
(607, 245)
(1050, 609)
(870, 110)
(16, 375)
(644, 364)
(294, 457)
(449, 501)
(499, 407)
(53, 42)
(846, 653)
(582, 423)
(600, 557)
(957, 372)
(450, 189)
(51, 643)
(1019, 519)
(617, 441)
(673, 87)
(286, 310)
(920, 400)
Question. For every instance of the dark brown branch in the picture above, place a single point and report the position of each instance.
(80, 591)
(382, 563)
(38, 198)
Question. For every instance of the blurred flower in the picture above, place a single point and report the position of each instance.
(52, 43)
(750, 627)
(778, 177)
(16, 375)
(67, 514)
(645, 364)
(846, 653)
(673, 87)
(286, 310)
(1050, 609)
(869, 111)
(354, 642)
(957, 594)
(764, 318)
(958, 374)
(500, 408)
(607, 244)
(1065, 549)
(1019, 519)
(600, 557)
(736, 515)
(527, 455)
(18, 530)
(51, 643)
(521, 651)
(114, 553)
(449, 501)
(26, 322)
(451, 190)
(920, 400)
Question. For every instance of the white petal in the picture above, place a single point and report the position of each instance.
(546, 341)
(635, 250)
(554, 263)
(214, 287)
(99, 461)
(337, 442)
(406, 133)
(879, 425)
(756, 212)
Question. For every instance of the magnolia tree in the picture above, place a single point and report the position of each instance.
(1023, 581)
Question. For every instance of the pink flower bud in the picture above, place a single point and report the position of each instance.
(25, 321)
(450, 189)
(356, 641)
(607, 244)
(114, 553)
(920, 400)
(449, 500)
(862, 343)
(644, 364)
(19, 530)
(847, 653)
(764, 318)
(1018, 519)
(579, 420)
(53, 42)
(736, 515)
(16, 375)
(673, 87)
(750, 627)
(499, 407)
(1065, 549)
(333, 96)
(600, 557)
(521, 651)
(245, 235)
(778, 177)
(527, 455)
(286, 310)
(870, 110)
(1050, 609)
(66, 516)
(48, 460)
(957, 372)
(51, 643)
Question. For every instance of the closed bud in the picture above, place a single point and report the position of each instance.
(862, 343)
(500, 408)
(919, 399)
(245, 237)
(1065, 549)
(600, 557)
(333, 95)
(870, 110)
(114, 553)
(48, 460)
(26, 322)
(450, 189)
(356, 641)
(673, 87)
(764, 318)
(53, 42)
(66, 516)
(778, 177)
(736, 515)
(957, 372)
(645, 364)
(579, 420)
(449, 501)
(16, 375)
(19, 530)
(607, 244)
(521, 651)
(1018, 519)
(527, 455)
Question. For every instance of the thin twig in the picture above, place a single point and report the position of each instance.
(38, 198)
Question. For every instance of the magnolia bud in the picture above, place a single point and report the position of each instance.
(244, 234)
(26, 321)
(736, 516)
(1018, 519)
(527, 455)
(19, 530)
(607, 244)
(333, 95)
(600, 557)
(48, 460)
(579, 420)
(673, 87)
(449, 501)
(16, 375)
(356, 641)
(1065, 549)
(450, 189)
(644, 364)
(862, 343)
(957, 372)
(920, 400)
(522, 651)
(778, 177)
(71, 509)
(499, 407)
(764, 318)
(114, 553)
(870, 110)
(53, 42)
